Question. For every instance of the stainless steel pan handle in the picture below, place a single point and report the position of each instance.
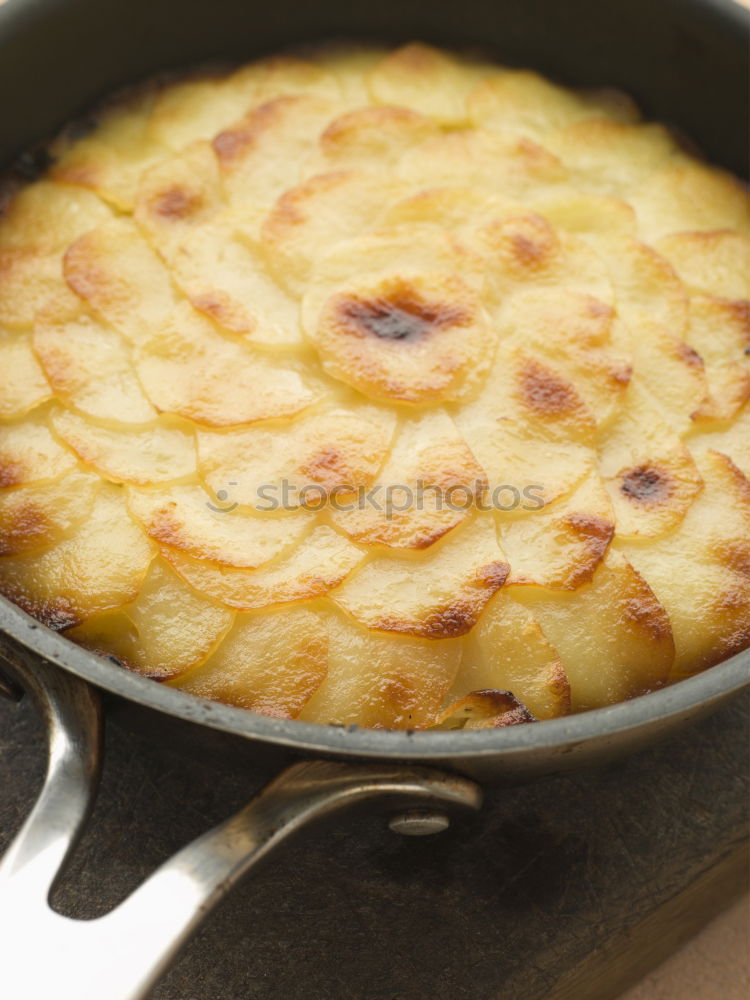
(121, 955)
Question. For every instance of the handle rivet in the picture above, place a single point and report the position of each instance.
(419, 823)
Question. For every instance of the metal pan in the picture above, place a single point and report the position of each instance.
(686, 62)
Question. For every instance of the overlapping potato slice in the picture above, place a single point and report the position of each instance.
(689, 195)
(426, 80)
(395, 315)
(530, 430)
(373, 137)
(100, 566)
(731, 439)
(649, 472)
(710, 263)
(560, 546)
(46, 217)
(507, 651)
(89, 366)
(612, 635)
(524, 102)
(270, 663)
(719, 330)
(115, 271)
(487, 709)
(227, 279)
(578, 337)
(330, 453)
(178, 194)
(700, 572)
(321, 562)
(428, 485)
(608, 157)
(161, 452)
(188, 368)
(323, 210)
(380, 680)
(28, 278)
(262, 154)
(589, 216)
(112, 157)
(164, 632)
(29, 453)
(645, 285)
(194, 522)
(437, 594)
(22, 382)
(39, 515)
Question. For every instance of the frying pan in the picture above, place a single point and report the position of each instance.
(685, 62)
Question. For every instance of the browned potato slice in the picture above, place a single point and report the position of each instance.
(89, 366)
(270, 663)
(323, 210)
(112, 158)
(312, 569)
(487, 709)
(560, 546)
(524, 102)
(159, 453)
(332, 452)
(650, 474)
(426, 80)
(165, 631)
(438, 594)
(39, 515)
(612, 635)
(100, 566)
(700, 571)
(29, 453)
(187, 367)
(373, 137)
(507, 651)
(22, 382)
(428, 485)
(710, 263)
(177, 195)
(689, 195)
(115, 271)
(193, 521)
(719, 331)
(27, 280)
(46, 217)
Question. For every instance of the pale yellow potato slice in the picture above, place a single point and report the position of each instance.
(193, 521)
(320, 563)
(700, 571)
(177, 195)
(332, 453)
(318, 213)
(29, 453)
(645, 284)
(115, 271)
(22, 382)
(560, 546)
(270, 663)
(731, 439)
(161, 452)
(100, 566)
(28, 279)
(589, 216)
(719, 330)
(524, 102)
(90, 368)
(427, 80)
(380, 680)
(437, 594)
(710, 263)
(690, 195)
(612, 635)
(507, 651)
(41, 514)
(187, 367)
(111, 159)
(46, 217)
(373, 138)
(164, 632)
(430, 483)
(649, 473)
(226, 278)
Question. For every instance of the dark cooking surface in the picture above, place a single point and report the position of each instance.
(541, 897)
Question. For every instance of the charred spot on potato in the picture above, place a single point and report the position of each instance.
(546, 392)
(176, 204)
(399, 314)
(647, 485)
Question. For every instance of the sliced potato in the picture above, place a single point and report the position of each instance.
(46, 217)
(29, 453)
(710, 263)
(35, 516)
(373, 137)
(28, 278)
(719, 330)
(22, 382)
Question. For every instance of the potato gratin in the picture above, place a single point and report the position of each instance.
(388, 388)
